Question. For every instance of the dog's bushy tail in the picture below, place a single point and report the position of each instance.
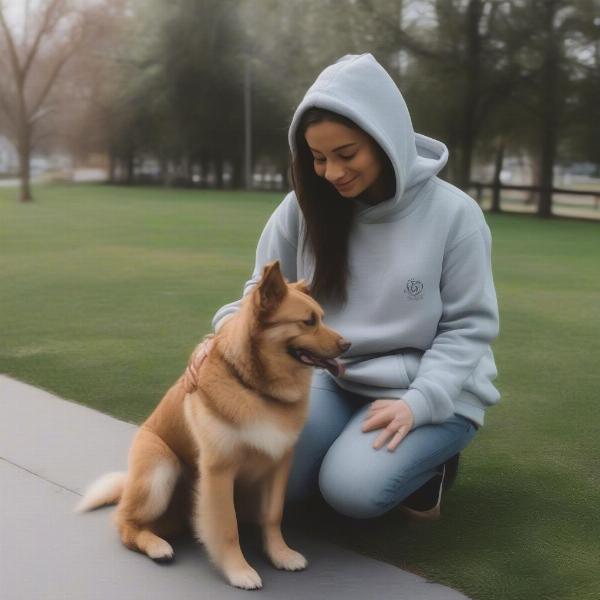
(105, 490)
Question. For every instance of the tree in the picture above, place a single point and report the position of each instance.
(582, 113)
(30, 67)
(459, 51)
(548, 84)
(550, 96)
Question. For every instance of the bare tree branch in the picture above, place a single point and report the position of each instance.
(51, 16)
(5, 104)
(60, 63)
(404, 39)
(12, 50)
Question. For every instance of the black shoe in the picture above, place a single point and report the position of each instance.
(424, 504)
(451, 471)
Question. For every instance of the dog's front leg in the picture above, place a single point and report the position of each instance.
(273, 498)
(216, 526)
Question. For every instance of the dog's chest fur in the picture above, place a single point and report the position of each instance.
(267, 437)
(263, 434)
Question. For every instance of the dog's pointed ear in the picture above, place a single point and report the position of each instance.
(272, 288)
(302, 286)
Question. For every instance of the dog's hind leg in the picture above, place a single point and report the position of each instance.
(145, 541)
(153, 473)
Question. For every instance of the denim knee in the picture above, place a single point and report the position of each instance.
(349, 495)
(360, 482)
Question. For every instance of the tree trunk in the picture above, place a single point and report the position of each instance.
(282, 170)
(466, 157)
(164, 171)
(201, 163)
(237, 173)
(549, 120)
(24, 166)
(450, 170)
(112, 168)
(130, 168)
(186, 170)
(535, 180)
(495, 208)
(472, 92)
(219, 172)
(547, 170)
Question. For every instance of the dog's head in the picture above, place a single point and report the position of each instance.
(291, 323)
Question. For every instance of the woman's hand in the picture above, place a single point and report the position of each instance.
(395, 416)
(190, 376)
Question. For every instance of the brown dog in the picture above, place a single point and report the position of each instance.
(201, 456)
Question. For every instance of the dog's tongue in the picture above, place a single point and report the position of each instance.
(335, 367)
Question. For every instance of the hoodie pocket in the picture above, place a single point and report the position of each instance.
(383, 371)
(412, 362)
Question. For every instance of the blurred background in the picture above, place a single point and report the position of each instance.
(200, 93)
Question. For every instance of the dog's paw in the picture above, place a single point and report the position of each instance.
(161, 552)
(247, 579)
(289, 559)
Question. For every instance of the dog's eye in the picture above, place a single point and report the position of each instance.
(312, 321)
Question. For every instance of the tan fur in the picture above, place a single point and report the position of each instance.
(226, 449)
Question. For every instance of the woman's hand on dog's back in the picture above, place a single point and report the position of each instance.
(190, 376)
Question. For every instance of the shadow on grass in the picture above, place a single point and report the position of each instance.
(497, 537)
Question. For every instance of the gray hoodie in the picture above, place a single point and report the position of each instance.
(422, 310)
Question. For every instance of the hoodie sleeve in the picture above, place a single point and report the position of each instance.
(278, 241)
(468, 325)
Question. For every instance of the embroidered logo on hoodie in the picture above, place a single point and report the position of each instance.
(414, 290)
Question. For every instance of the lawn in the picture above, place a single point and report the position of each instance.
(105, 291)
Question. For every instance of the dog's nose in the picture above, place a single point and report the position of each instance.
(344, 345)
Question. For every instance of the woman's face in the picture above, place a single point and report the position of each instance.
(344, 155)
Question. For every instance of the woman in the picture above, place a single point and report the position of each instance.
(401, 263)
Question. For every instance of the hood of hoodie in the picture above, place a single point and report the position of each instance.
(359, 88)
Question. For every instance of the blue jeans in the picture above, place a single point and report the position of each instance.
(334, 456)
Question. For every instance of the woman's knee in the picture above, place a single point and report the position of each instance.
(360, 482)
(350, 492)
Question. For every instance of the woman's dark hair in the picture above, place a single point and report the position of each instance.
(327, 214)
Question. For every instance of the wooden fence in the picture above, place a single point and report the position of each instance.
(498, 187)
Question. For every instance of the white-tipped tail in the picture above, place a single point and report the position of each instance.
(105, 490)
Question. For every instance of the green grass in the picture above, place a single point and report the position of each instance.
(105, 291)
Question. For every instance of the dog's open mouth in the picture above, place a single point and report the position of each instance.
(308, 358)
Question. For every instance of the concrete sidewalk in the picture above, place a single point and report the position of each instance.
(50, 449)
